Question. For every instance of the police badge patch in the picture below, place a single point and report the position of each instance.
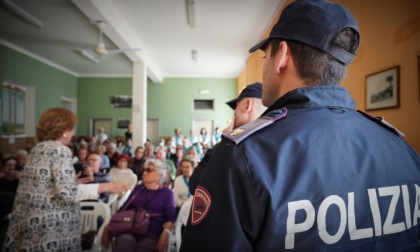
(200, 205)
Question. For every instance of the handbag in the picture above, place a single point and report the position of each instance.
(133, 221)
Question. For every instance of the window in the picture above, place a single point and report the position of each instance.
(203, 104)
(69, 103)
(13, 109)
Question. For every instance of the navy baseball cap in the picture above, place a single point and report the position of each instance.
(250, 91)
(315, 23)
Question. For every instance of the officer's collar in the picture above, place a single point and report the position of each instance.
(315, 96)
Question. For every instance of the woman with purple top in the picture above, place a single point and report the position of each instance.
(159, 202)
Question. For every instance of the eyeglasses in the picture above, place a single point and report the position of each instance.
(94, 160)
(149, 170)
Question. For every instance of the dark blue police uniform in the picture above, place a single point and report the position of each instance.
(311, 174)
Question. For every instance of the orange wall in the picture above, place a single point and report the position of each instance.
(390, 36)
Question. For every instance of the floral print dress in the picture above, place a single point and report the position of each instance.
(46, 216)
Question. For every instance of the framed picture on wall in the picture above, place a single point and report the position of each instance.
(382, 89)
(123, 123)
(121, 101)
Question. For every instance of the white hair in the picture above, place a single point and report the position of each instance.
(161, 167)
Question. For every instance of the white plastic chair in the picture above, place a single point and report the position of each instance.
(116, 201)
(181, 221)
(90, 211)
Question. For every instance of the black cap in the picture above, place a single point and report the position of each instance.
(250, 91)
(315, 23)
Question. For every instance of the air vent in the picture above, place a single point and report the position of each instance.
(203, 104)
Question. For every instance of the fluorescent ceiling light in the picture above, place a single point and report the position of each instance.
(21, 13)
(190, 12)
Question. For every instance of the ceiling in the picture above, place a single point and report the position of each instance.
(224, 31)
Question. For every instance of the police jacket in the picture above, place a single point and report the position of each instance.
(311, 174)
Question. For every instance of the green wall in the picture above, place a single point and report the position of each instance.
(94, 102)
(171, 102)
(49, 82)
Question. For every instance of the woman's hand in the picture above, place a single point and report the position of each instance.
(163, 243)
(114, 187)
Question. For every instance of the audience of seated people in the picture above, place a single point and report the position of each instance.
(100, 163)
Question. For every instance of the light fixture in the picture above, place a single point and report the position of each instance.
(194, 55)
(21, 13)
(190, 12)
(204, 91)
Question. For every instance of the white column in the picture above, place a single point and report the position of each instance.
(139, 117)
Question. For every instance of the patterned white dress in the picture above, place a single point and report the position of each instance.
(46, 216)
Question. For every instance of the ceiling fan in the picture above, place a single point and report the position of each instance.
(97, 53)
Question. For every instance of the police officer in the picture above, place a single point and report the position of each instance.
(312, 173)
(248, 107)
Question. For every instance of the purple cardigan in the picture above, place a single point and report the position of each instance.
(161, 206)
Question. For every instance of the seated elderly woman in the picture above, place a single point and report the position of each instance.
(158, 201)
(181, 183)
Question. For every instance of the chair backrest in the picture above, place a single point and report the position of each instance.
(94, 213)
(181, 221)
(116, 201)
(128, 177)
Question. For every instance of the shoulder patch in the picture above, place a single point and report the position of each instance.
(239, 134)
(200, 205)
(381, 121)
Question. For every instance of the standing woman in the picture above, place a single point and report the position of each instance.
(46, 216)
(46, 212)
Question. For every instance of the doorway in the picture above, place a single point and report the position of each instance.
(153, 131)
(197, 124)
(106, 123)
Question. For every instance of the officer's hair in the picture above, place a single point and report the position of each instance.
(315, 66)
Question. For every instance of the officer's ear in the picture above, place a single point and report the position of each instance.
(249, 104)
(282, 56)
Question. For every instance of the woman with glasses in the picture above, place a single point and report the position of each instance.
(158, 201)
